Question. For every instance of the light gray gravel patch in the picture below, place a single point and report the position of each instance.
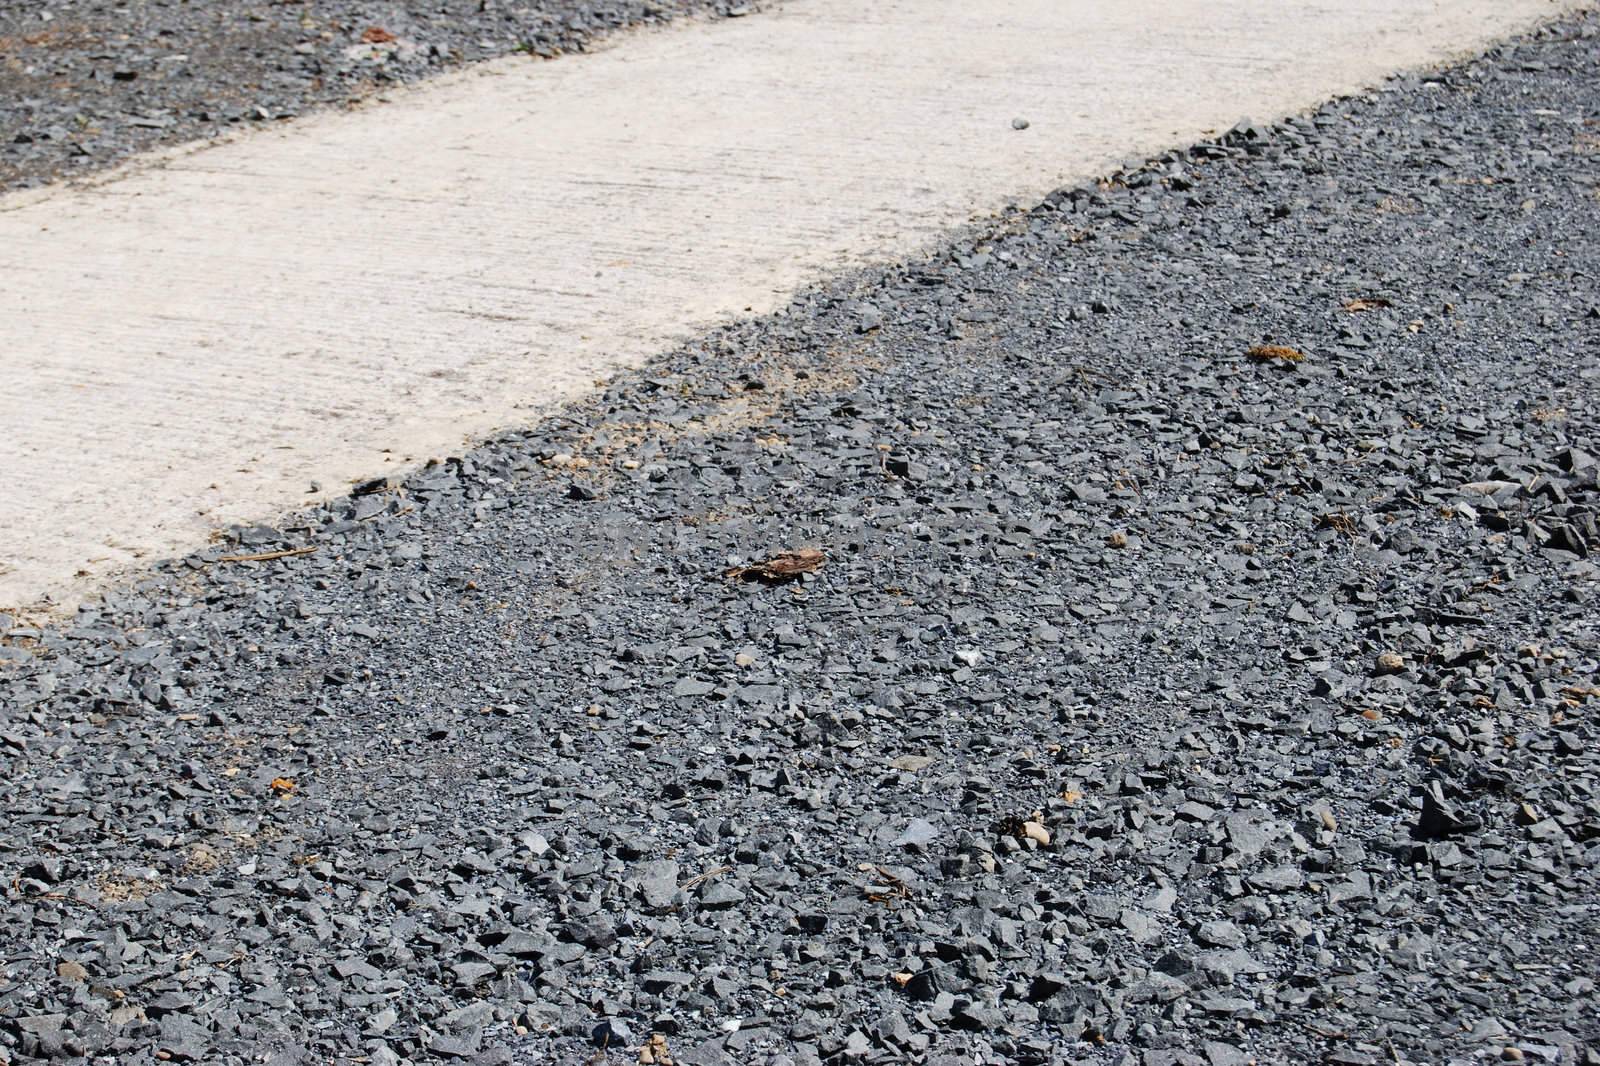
(87, 83)
(1201, 667)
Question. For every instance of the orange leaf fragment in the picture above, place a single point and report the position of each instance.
(785, 566)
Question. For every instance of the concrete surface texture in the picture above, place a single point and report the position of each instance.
(198, 339)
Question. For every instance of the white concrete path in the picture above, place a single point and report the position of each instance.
(195, 340)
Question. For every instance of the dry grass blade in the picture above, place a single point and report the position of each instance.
(267, 557)
(699, 879)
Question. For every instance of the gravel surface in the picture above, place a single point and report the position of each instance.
(1186, 652)
(85, 83)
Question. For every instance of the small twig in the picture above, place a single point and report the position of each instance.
(17, 894)
(267, 557)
